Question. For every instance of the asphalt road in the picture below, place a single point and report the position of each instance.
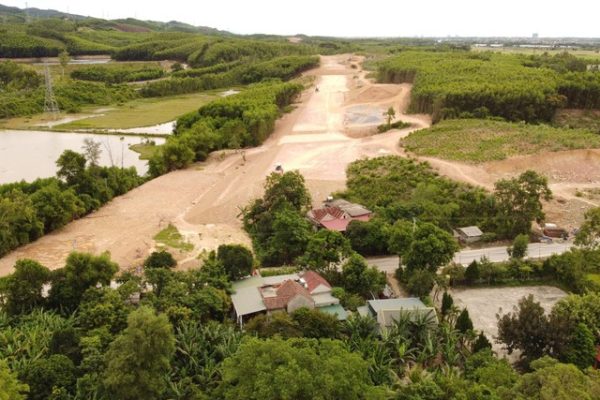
(494, 254)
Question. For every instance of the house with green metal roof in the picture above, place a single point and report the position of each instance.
(257, 295)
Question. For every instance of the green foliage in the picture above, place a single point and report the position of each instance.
(279, 324)
(23, 290)
(393, 125)
(118, 73)
(241, 120)
(477, 141)
(298, 369)
(10, 387)
(403, 189)
(81, 272)
(316, 324)
(581, 349)
(171, 237)
(368, 238)
(30, 209)
(449, 84)
(430, 248)
(472, 273)
(160, 259)
(463, 322)
(276, 223)
(283, 68)
(325, 251)
(588, 235)
(419, 282)
(237, 260)
(359, 278)
(447, 303)
(46, 374)
(137, 359)
(102, 308)
(15, 76)
(481, 343)
(580, 309)
(533, 332)
(519, 202)
(553, 380)
(518, 250)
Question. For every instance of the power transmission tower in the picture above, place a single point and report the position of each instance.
(50, 104)
(27, 18)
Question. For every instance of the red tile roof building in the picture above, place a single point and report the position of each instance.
(337, 214)
(279, 297)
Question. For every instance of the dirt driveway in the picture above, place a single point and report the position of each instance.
(484, 304)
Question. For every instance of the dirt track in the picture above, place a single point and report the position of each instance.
(328, 130)
(318, 138)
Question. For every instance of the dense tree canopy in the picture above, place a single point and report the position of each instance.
(137, 359)
(294, 369)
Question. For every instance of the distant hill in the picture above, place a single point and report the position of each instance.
(19, 15)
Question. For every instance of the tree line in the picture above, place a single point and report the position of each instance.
(237, 121)
(30, 210)
(119, 73)
(225, 75)
(461, 84)
(166, 334)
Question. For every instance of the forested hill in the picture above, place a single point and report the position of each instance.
(18, 15)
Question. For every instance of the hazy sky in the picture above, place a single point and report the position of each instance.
(579, 18)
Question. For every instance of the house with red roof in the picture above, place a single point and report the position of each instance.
(258, 295)
(335, 215)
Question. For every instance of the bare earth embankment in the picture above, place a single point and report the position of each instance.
(203, 202)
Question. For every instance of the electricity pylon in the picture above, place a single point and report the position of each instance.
(50, 104)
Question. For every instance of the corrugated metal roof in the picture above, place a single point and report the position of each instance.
(336, 310)
(247, 301)
(471, 231)
(396, 304)
(324, 299)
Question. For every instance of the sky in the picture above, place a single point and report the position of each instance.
(351, 18)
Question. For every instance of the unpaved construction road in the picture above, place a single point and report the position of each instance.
(319, 138)
(329, 129)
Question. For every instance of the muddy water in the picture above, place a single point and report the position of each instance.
(32, 154)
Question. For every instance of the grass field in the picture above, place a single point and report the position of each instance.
(476, 141)
(142, 112)
(146, 151)
(594, 278)
(133, 114)
(171, 237)
(585, 119)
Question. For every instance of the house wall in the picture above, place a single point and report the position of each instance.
(299, 301)
(469, 239)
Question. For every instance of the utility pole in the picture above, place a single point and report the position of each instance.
(122, 139)
(50, 104)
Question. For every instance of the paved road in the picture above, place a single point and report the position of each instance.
(494, 254)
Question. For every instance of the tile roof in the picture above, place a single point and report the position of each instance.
(337, 214)
(313, 280)
(327, 213)
(283, 294)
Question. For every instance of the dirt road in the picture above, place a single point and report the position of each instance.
(328, 129)
(319, 138)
